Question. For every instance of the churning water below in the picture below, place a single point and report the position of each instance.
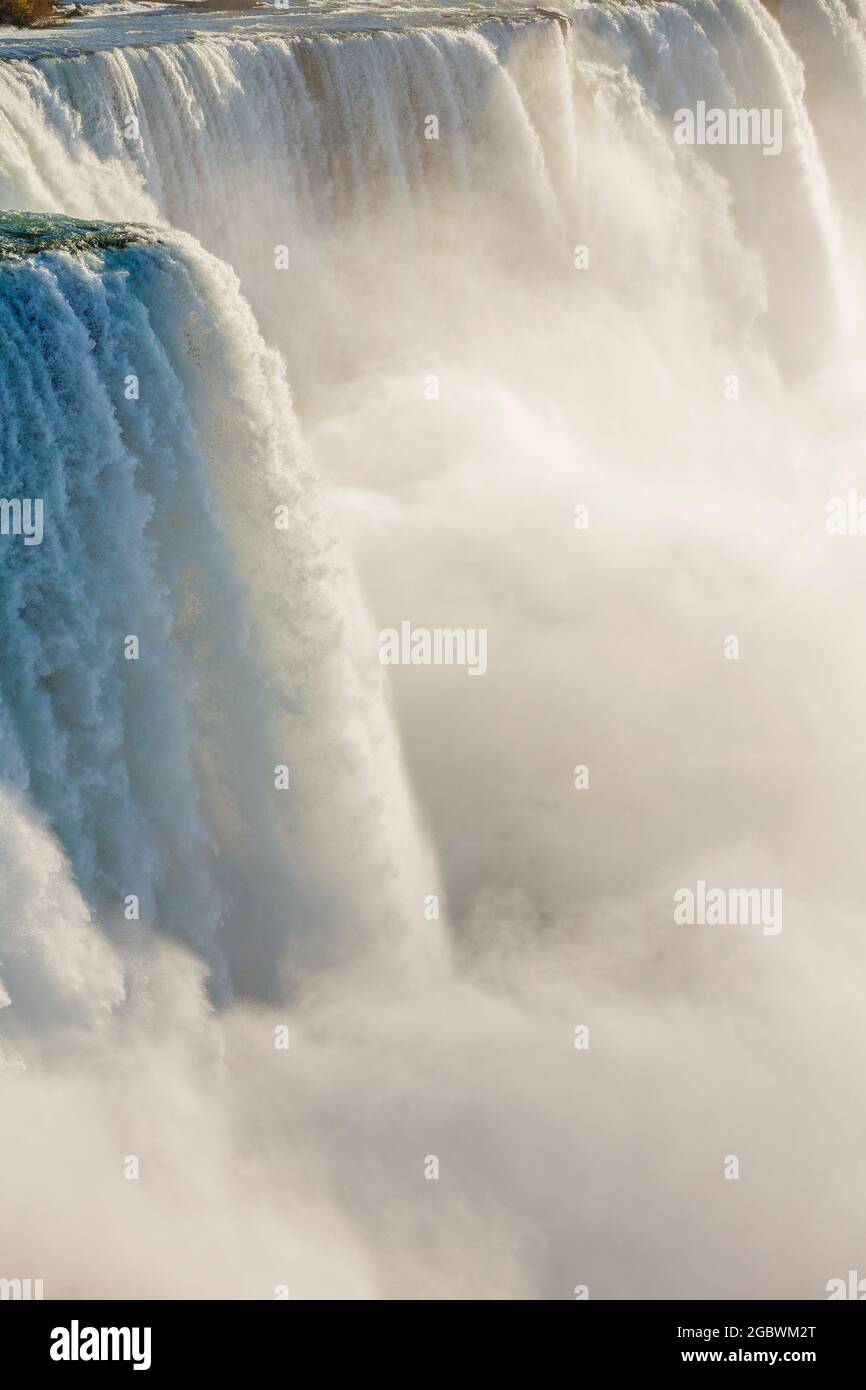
(441, 295)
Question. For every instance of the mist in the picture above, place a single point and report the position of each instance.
(545, 373)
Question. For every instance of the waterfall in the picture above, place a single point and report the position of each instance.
(320, 325)
(169, 643)
(320, 144)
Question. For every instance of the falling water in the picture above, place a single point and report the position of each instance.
(435, 283)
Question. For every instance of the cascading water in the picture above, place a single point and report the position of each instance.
(158, 434)
(321, 144)
(503, 296)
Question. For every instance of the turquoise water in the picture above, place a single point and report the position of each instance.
(360, 375)
(28, 233)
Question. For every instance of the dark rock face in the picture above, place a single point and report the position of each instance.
(28, 14)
